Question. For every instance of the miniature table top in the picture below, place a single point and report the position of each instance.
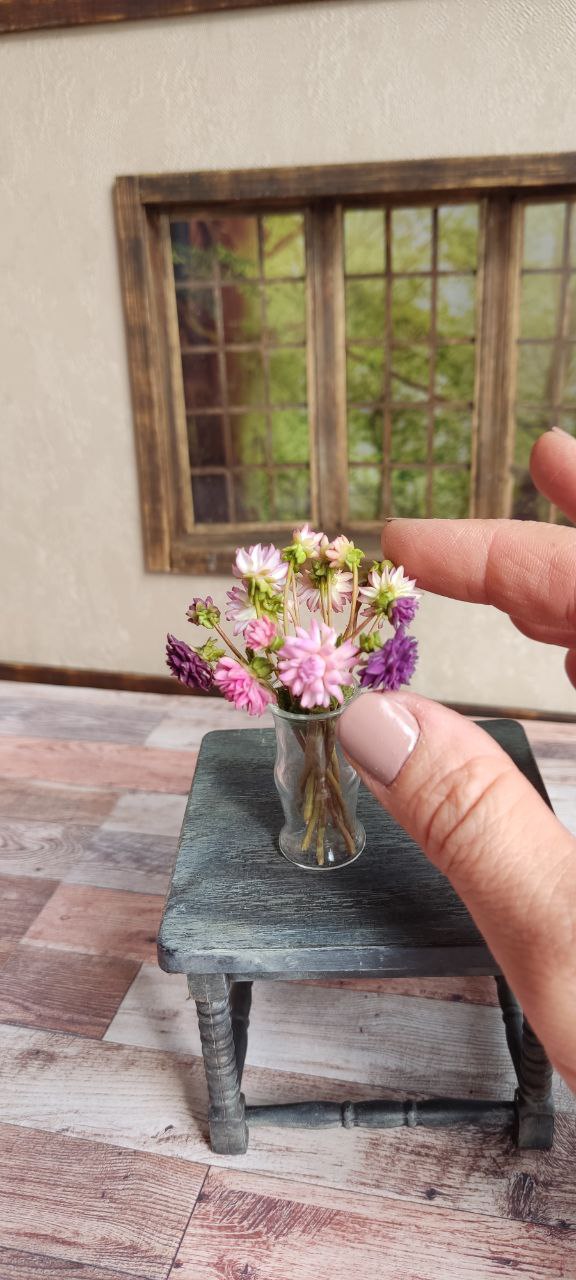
(236, 906)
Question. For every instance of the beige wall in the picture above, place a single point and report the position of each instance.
(338, 82)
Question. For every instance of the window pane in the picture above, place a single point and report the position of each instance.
(365, 429)
(543, 234)
(527, 503)
(245, 377)
(248, 435)
(410, 309)
(288, 377)
(410, 371)
(290, 436)
(284, 246)
(452, 436)
(571, 305)
(539, 301)
(365, 308)
(364, 489)
(411, 239)
(193, 252)
(252, 493)
(455, 372)
(365, 373)
(568, 382)
(456, 306)
(236, 244)
(457, 237)
(292, 494)
(206, 441)
(409, 493)
(196, 317)
(241, 313)
(286, 312)
(364, 241)
(450, 494)
(530, 423)
(210, 500)
(201, 381)
(409, 436)
(534, 372)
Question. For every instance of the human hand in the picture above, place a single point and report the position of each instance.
(453, 788)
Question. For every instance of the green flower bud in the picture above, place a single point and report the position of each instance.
(204, 613)
(354, 557)
(211, 651)
(369, 643)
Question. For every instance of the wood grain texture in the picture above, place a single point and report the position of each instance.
(98, 922)
(134, 860)
(154, 1101)
(29, 15)
(458, 990)
(245, 1226)
(79, 720)
(99, 764)
(21, 899)
(112, 1207)
(48, 849)
(16, 1264)
(41, 801)
(63, 991)
(392, 1042)
(150, 813)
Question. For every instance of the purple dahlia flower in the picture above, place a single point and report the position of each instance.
(188, 667)
(403, 611)
(393, 665)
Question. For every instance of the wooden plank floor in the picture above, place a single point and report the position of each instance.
(105, 1171)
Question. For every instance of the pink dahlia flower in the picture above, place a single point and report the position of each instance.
(240, 687)
(312, 543)
(339, 586)
(262, 565)
(240, 610)
(337, 551)
(313, 668)
(260, 633)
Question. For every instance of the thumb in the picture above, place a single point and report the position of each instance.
(480, 821)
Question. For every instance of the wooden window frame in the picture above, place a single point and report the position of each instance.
(34, 15)
(143, 203)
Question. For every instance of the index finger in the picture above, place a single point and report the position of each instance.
(524, 568)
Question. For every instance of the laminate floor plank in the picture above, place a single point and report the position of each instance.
(97, 764)
(389, 1041)
(48, 849)
(63, 990)
(152, 813)
(16, 1264)
(245, 1226)
(458, 990)
(102, 1204)
(99, 922)
(39, 801)
(21, 900)
(79, 719)
(119, 859)
(149, 1100)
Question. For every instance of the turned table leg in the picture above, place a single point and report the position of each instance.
(533, 1105)
(227, 1120)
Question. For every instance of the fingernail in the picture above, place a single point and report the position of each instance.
(379, 734)
(561, 432)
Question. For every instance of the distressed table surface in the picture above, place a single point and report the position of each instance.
(236, 906)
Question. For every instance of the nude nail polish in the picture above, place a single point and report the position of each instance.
(379, 734)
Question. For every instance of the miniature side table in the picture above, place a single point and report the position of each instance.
(236, 911)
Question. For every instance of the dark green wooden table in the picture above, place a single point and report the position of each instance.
(237, 910)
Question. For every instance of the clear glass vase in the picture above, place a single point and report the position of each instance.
(319, 791)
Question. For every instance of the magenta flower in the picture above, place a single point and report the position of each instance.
(313, 668)
(188, 667)
(240, 687)
(260, 633)
(261, 565)
(393, 665)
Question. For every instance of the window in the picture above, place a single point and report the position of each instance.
(340, 345)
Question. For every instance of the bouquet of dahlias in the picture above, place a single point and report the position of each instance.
(302, 663)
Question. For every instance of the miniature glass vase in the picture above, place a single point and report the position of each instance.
(319, 792)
